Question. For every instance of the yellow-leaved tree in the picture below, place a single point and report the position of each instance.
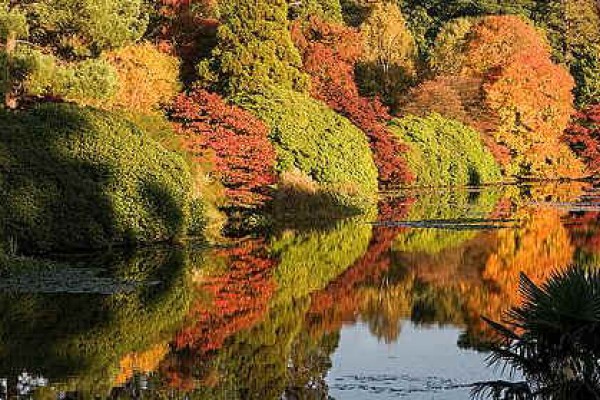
(388, 62)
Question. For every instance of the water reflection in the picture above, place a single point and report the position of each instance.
(77, 341)
(271, 317)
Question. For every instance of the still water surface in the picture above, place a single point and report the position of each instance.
(380, 307)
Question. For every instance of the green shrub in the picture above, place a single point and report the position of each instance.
(208, 194)
(314, 140)
(84, 82)
(78, 178)
(445, 152)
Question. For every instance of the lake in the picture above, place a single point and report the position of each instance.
(383, 306)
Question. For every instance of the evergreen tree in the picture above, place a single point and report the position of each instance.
(254, 50)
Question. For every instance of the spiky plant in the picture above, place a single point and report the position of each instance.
(552, 340)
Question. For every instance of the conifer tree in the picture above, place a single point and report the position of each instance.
(254, 50)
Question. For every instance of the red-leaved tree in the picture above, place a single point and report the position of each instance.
(583, 135)
(232, 140)
(329, 54)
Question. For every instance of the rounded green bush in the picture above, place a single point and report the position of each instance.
(444, 152)
(78, 178)
(313, 139)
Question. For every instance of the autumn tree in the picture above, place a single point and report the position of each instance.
(254, 50)
(186, 29)
(329, 53)
(387, 63)
(426, 19)
(147, 78)
(524, 101)
(232, 140)
(583, 136)
(62, 41)
(533, 99)
(494, 41)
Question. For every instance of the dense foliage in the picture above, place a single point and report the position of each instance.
(387, 65)
(147, 78)
(504, 76)
(230, 139)
(321, 144)
(446, 152)
(62, 43)
(254, 50)
(328, 10)
(76, 178)
(330, 53)
(523, 101)
(583, 135)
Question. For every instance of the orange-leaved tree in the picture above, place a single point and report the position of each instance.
(524, 102)
(148, 78)
(533, 100)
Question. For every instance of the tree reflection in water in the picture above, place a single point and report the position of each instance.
(552, 339)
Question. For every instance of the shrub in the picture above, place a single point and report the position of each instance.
(207, 194)
(86, 82)
(445, 152)
(147, 78)
(459, 98)
(78, 178)
(313, 139)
